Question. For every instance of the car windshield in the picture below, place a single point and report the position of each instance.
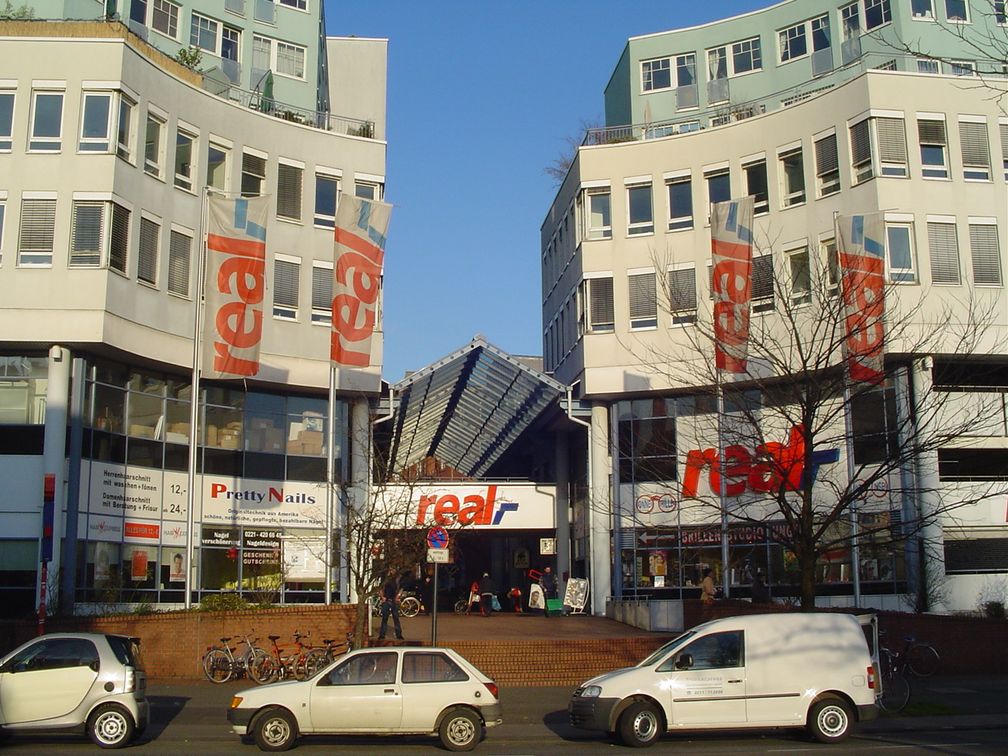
(126, 650)
(662, 652)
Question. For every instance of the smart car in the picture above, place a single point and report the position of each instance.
(88, 682)
(374, 691)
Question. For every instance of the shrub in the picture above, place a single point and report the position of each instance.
(223, 602)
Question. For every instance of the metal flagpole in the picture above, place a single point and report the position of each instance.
(330, 485)
(722, 484)
(194, 403)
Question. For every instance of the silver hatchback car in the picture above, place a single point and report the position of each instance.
(75, 682)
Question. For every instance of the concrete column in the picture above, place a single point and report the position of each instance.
(359, 484)
(54, 457)
(931, 535)
(562, 513)
(599, 508)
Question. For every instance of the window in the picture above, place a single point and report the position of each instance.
(799, 275)
(899, 252)
(147, 259)
(828, 252)
(876, 13)
(327, 190)
(1000, 15)
(154, 146)
(746, 56)
(683, 295)
(287, 271)
(820, 33)
(1003, 127)
(756, 185)
(3, 210)
(124, 134)
(597, 304)
(975, 150)
(680, 203)
(367, 190)
(217, 167)
(718, 188)
(985, 253)
(87, 233)
(321, 292)
(686, 94)
(6, 120)
(944, 252)
(598, 215)
(762, 283)
(892, 146)
(793, 42)
(850, 21)
(656, 74)
(184, 143)
(927, 66)
(204, 33)
(962, 67)
(365, 669)
(119, 241)
(957, 10)
(934, 163)
(165, 18)
(253, 176)
(262, 57)
(717, 74)
(299, 4)
(639, 210)
(643, 300)
(874, 427)
(827, 166)
(714, 651)
(861, 158)
(289, 191)
(47, 122)
(290, 60)
(96, 122)
(179, 261)
(230, 43)
(38, 224)
(792, 177)
(430, 667)
(922, 8)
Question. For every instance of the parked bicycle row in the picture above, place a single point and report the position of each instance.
(280, 661)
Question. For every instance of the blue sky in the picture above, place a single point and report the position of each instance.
(482, 97)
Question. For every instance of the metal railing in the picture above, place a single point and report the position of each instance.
(256, 100)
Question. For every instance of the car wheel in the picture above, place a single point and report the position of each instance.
(461, 730)
(830, 720)
(640, 725)
(110, 726)
(275, 730)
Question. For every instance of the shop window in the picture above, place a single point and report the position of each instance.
(18, 572)
(880, 549)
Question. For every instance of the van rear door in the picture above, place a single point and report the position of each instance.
(706, 681)
(869, 624)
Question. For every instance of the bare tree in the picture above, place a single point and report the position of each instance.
(560, 165)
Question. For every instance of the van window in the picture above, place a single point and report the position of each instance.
(713, 651)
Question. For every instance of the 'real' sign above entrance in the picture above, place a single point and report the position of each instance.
(509, 506)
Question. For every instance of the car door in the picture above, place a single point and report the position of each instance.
(360, 694)
(431, 681)
(47, 680)
(706, 681)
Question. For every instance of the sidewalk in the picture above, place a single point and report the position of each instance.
(960, 702)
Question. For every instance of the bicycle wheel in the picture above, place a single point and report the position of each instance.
(922, 660)
(895, 693)
(410, 606)
(264, 669)
(217, 666)
(460, 606)
(252, 657)
(311, 663)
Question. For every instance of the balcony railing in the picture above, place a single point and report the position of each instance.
(256, 100)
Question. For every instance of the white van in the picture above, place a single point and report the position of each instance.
(809, 670)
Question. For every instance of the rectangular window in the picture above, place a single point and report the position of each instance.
(367, 190)
(861, 157)
(680, 203)
(326, 193)
(756, 185)
(597, 300)
(321, 292)
(165, 18)
(3, 211)
(639, 210)
(643, 301)
(289, 182)
(38, 225)
(290, 60)
(876, 13)
(944, 253)
(683, 295)
(975, 151)
(828, 251)
(119, 241)
(230, 44)
(892, 146)
(827, 166)
(217, 160)
(799, 275)
(262, 57)
(253, 176)
(124, 133)
(598, 214)
(6, 121)
(927, 66)
(792, 169)
(184, 148)
(922, 8)
(762, 283)
(656, 74)
(87, 233)
(147, 258)
(204, 33)
(962, 67)
(793, 42)
(1003, 128)
(287, 273)
(957, 10)
(686, 90)
(154, 146)
(717, 75)
(179, 261)
(96, 122)
(820, 34)
(46, 122)
(985, 253)
(934, 156)
(850, 21)
(900, 253)
(1000, 15)
(718, 188)
(746, 56)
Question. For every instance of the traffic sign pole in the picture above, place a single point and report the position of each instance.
(433, 610)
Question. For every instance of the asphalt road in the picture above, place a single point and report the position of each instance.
(960, 716)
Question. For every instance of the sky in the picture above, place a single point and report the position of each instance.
(482, 98)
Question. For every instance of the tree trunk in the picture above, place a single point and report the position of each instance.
(807, 563)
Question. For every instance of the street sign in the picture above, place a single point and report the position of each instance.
(547, 546)
(437, 538)
(437, 556)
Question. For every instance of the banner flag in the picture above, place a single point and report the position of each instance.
(361, 229)
(861, 249)
(235, 286)
(731, 281)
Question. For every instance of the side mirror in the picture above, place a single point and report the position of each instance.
(685, 661)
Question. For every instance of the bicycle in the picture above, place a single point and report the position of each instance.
(280, 663)
(895, 692)
(918, 658)
(220, 663)
(410, 605)
(317, 658)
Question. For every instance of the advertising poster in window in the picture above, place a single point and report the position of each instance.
(176, 565)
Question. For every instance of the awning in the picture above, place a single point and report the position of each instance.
(467, 408)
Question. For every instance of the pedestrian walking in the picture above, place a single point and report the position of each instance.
(707, 589)
(390, 605)
(548, 583)
(487, 591)
(760, 592)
